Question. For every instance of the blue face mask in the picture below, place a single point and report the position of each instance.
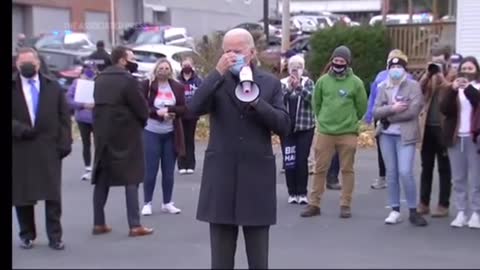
(396, 73)
(239, 64)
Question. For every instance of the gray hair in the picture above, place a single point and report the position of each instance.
(296, 59)
(240, 32)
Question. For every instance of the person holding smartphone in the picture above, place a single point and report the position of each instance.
(398, 105)
(459, 106)
(163, 135)
(297, 96)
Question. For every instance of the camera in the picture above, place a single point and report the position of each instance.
(434, 68)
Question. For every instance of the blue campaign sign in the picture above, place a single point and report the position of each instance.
(289, 157)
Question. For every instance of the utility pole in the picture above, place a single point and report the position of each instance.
(285, 25)
(266, 21)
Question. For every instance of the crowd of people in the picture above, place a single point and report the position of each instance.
(140, 128)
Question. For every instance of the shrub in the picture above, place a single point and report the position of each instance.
(369, 46)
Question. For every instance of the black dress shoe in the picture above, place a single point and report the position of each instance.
(26, 244)
(59, 245)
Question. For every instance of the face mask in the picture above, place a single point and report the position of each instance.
(471, 76)
(89, 73)
(187, 69)
(239, 64)
(396, 73)
(28, 70)
(131, 66)
(338, 69)
(162, 76)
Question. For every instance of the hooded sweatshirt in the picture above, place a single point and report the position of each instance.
(339, 102)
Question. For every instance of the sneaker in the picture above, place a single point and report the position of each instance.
(292, 199)
(182, 171)
(88, 169)
(311, 211)
(334, 186)
(417, 220)
(474, 222)
(379, 183)
(86, 176)
(147, 209)
(393, 218)
(170, 208)
(460, 220)
(302, 199)
(190, 171)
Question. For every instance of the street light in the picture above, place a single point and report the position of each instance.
(266, 20)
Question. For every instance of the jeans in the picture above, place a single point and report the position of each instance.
(159, 150)
(297, 177)
(399, 163)
(334, 169)
(465, 163)
(86, 130)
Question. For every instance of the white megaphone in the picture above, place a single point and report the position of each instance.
(247, 90)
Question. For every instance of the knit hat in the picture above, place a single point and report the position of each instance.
(456, 58)
(397, 53)
(397, 61)
(343, 52)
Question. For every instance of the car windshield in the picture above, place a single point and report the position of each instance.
(59, 61)
(147, 57)
(73, 41)
(150, 37)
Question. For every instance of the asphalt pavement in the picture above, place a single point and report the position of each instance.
(180, 241)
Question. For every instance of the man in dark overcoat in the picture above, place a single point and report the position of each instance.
(119, 116)
(239, 174)
(41, 138)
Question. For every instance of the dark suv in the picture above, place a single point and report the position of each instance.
(65, 65)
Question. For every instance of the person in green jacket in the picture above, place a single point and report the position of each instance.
(339, 103)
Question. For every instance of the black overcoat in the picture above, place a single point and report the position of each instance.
(37, 158)
(239, 174)
(119, 116)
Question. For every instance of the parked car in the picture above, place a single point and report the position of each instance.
(273, 55)
(275, 34)
(147, 55)
(66, 40)
(306, 24)
(157, 34)
(65, 65)
(277, 22)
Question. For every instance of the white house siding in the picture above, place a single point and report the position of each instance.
(468, 30)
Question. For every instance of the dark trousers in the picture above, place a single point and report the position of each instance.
(334, 170)
(100, 196)
(188, 161)
(297, 177)
(159, 150)
(432, 147)
(381, 163)
(86, 131)
(223, 244)
(26, 221)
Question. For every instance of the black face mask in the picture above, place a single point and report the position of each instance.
(471, 76)
(187, 70)
(28, 70)
(338, 69)
(132, 67)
